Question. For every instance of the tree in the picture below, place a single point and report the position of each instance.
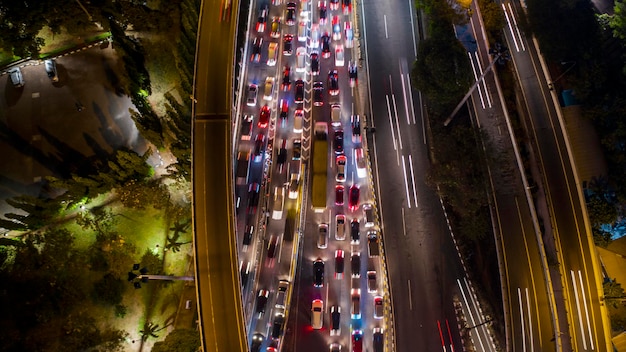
(601, 211)
(613, 292)
(618, 21)
(179, 340)
(108, 290)
(149, 330)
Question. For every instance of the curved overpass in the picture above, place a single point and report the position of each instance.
(220, 312)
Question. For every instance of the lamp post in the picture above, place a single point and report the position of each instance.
(143, 276)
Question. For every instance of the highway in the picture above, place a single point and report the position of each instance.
(217, 279)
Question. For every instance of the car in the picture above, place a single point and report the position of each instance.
(269, 88)
(338, 142)
(336, 27)
(299, 96)
(353, 197)
(275, 28)
(318, 93)
(286, 83)
(302, 35)
(294, 184)
(247, 236)
(334, 347)
(246, 127)
(368, 215)
(373, 248)
(272, 54)
(341, 168)
(281, 294)
(314, 43)
(253, 197)
(357, 341)
(301, 59)
(279, 321)
(325, 45)
(360, 162)
(262, 20)
(355, 265)
(257, 342)
(272, 246)
(335, 321)
(355, 123)
(284, 110)
(355, 306)
(322, 236)
(273, 346)
(333, 82)
(339, 55)
(298, 118)
(339, 260)
(281, 157)
(256, 50)
(353, 74)
(323, 12)
(253, 90)
(346, 6)
(355, 234)
(244, 272)
(259, 147)
(349, 34)
(335, 115)
(317, 307)
(297, 150)
(290, 15)
(340, 232)
(339, 191)
(378, 307)
(318, 273)
(378, 340)
(334, 5)
(51, 70)
(372, 284)
(261, 302)
(264, 116)
(315, 63)
(16, 77)
(287, 44)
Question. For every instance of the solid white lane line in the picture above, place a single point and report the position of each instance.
(406, 183)
(393, 136)
(403, 222)
(521, 318)
(480, 68)
(395, 112)
(521, 40)
(582, 289)
(406, 106)
(580, 318)
(413, 179)
(410, 300)
(506, 16)
(367, 64)
(480, 93)
(530, 321)
(412, 28)
(386, 32)
(478, 312)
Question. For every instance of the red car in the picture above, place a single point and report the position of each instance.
(346, 6)
(264, 117)
(339, 190)
(286, 84)
(284, 109)
(334, 5)
(353, 198)
(357, 341)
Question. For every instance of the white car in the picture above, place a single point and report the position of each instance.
(317, 307)
(340, 234)
(279, 203)
(269, 88)
(315, 36)
(349, 34)
(252, 93)
(302, 31)
(298, 117)
(301, 59)
(339, 56)
(272, 53)
(359, 159)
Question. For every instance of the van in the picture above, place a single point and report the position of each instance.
(368, 215)
(16, 77)
(281, 294)
(335, 114)
(188, 304)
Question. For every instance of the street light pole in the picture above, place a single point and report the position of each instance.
(551, 84)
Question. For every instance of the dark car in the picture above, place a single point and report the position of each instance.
(261, 302)
(339, 191)
(353, 74)
(318, 93)
(277, 326)
(259, 147)
(297, 150)
(355, 121)
(284, 109)
(335, 321)
(334, 5)
(353, 197)
(333, 82)
(346, 5)
(256, 50)
(318, 273)
(355, 264)
(323, 12)
(326, 45)
(244, 272)
(299, 91)
(286, 84)
(246, 127)
(315, 63)
(253, 197)
(257, 342)
(272, 245)
(288, 44)
(262, 20)
(378, 340)
(338, 142)
(339, 260)
(247, 236)
(290, 16)
(355, 227)
(282, 155)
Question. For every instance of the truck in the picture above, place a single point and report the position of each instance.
(320, 167)
(243, 162)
